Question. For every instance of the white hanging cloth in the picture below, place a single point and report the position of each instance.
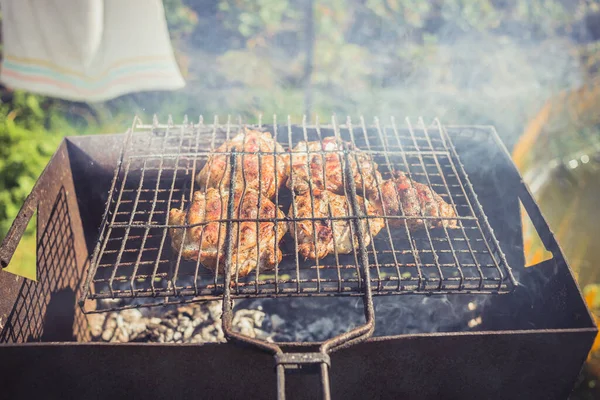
(87, 50)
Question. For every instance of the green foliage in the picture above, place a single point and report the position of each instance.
(259, 17)
(374, 56)
(401, 14)
(25, 148)
(181, 21)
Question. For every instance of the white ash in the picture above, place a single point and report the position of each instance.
(193, 323)
(289, 319)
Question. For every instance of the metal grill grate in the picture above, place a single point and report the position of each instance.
(133, 257)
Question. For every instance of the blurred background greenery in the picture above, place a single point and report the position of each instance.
(530, 68)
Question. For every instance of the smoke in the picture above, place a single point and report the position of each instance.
(463, 75)
(365, 59)
(318, 319)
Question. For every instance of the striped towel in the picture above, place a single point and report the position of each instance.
(87, 50)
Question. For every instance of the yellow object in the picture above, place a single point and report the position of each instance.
(24, 261)
(556, 142)
(535, 251)
(590, 299)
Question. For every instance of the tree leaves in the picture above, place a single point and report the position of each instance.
(25, 148)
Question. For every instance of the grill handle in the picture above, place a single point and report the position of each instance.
(300, 361)
(297, 361)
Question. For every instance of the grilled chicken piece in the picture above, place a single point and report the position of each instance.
(216, 172)
(331, 235)
(307, 169)
(401, 196)
(253, 244)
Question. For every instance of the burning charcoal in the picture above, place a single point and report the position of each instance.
(110, 325)
(131, 324)
(154, 323)
(186, 311)
(248, 322)
(171, 323)
(137, 330)
(131, 316)
(122, 336)
(183, 323)
(96, 322)
(215, 308)
(197, 339)
(188, 333)
(211, 334)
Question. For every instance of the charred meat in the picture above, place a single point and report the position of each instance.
(403, 197)
(255, 244)
(317, 230)
(320, 165)
(260, 167)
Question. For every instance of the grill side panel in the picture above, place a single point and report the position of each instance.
(542, 365)
(46, 310)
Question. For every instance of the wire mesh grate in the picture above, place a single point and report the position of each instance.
(134, 257)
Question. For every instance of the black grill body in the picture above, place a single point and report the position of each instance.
(531, 343)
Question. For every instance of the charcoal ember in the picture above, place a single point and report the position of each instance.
(186, 312)
(96, 324)
(250, 323)
(154, 323)
(246, 322)
(121, 335)
(183, 323)
(133, 324)
(215, 309)
(122, 327)
(109, 328)
(210, 334)
(193, 323)
(197, 323)
(171, 323)
(187, 334)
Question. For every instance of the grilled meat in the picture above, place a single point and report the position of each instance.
(254, 243)
(216, 172)
(325, 171)
(331, 235)
(401, 196)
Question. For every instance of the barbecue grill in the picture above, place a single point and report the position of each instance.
(133, 265)
(159, 161)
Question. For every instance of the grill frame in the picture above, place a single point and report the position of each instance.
(188, 135)
(515, 345)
